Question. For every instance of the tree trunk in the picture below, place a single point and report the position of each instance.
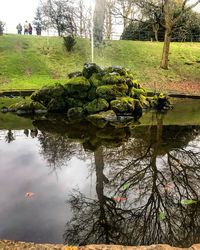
(165, 55)
(156, 35)
(168, 28)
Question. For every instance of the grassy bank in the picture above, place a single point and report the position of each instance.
(28, 62)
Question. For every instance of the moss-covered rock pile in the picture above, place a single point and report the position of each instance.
(95, 93)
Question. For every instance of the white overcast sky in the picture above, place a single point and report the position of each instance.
(14, 11)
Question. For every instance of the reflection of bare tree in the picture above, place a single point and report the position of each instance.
(9, 137)
(155, 174)
(57, 149)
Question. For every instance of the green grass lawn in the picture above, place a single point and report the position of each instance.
(29, 62)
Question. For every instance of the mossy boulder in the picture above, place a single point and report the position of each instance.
(57, 106)
(46, 93)
(73, 102)
(113, 78)
(103, 118)
(92, 93)
(75, 113)
(96, 106)
(138, 109)
(96, 79)
(123, 105)
(136, 93)
(75, 74)
(117, 69)
(111, 92)
(161, 102)
(89, 69)
(27, 107)
(77, 87)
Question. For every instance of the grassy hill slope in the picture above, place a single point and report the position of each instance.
(28, 62)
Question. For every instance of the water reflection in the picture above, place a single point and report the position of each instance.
(143, 175)
(150, 175)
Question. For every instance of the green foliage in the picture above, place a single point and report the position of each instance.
(187, 28)
(189, 202)
(69, 42)
(161, 216)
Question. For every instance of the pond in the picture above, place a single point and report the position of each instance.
(131, 184)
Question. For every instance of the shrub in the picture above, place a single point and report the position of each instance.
(69, 42)
(1, 27)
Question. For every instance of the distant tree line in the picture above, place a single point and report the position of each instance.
(187, 29)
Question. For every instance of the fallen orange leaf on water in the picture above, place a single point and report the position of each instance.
(29, 194)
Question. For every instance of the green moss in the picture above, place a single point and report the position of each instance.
(72, 102)
(27, 107)
(136, 93)
(37, 106)
(77, 87)
(123, 105)
(137, 110)
(113, 79)
(75, 113)
(92, 93)
(97, 120)
(96, 79)
(96, 106)
(162, 102)
(23, 105)
(117, 69)
(57, 105)
(145, 102)
(45, 94)
(110, 92)
(89, 69)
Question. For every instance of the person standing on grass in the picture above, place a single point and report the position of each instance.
(30, 29)
(26, 26)
(19, 29)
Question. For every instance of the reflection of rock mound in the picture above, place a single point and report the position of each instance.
(94, 91)
(114, 134)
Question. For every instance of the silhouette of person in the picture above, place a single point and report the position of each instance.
(26, 27)
(19, 28)
(30, 29)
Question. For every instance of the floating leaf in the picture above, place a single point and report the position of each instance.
(161, 216)
(188, 202)
(29, 194)
(125, 186)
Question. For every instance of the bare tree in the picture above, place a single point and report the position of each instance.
(83, 19)
(109, 18)
(125, 10)
(60, 15)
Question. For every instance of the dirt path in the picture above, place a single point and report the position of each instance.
(185, 87)
(13, 245)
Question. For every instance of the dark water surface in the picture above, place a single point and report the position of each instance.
(70, 182)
